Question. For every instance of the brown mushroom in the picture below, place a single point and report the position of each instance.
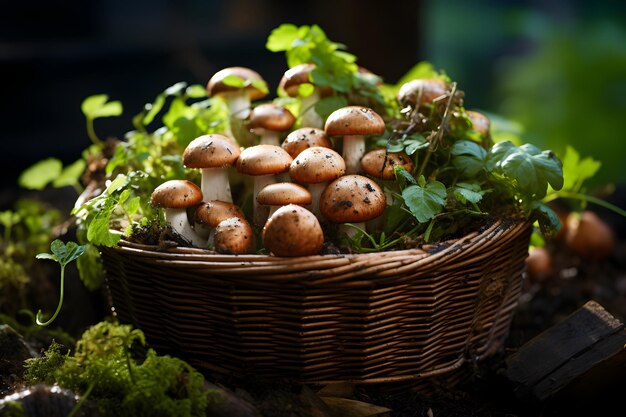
(263, 162)
(237, 95)
(354, 123)
(237, 87)
(212, 154)
(291, 83)
(282, 193)
(316, 167)
(233, 236)
(175, 196)
(208, 215)
(303, 138)
(352, 199)
(421, 92)
(381, 164)
(293, 231)
(268, 121)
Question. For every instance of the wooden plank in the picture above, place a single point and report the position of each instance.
(566, 352)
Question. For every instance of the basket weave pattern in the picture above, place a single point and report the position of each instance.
(366, 318)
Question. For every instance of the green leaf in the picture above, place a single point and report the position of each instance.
(62, 253)
(425, 202)
(119, 181)
(469, 157)
(133, 206)
(576, 170)
(526, 166)
(70, 175)
(549, 222)
(9, 218)
(37, 176)
(468, 192)
(152, 109)
(234, 81)
(97, 106)
(414, 143)
(403, 176)
(196, 91)
(98, 232)
(282, 38)
(324, 107)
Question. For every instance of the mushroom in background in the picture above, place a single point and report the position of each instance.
(293, 231)
(268, 121)
(292, 84)
(381, 164)
(238, 87)
(354, 123)
(175, 196)
(421, 93)
(212, 154)
(588, 236)
(352, 199)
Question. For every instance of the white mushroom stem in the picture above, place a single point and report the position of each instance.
(268, 137)
(177, 218)
(215, 185)
(261, 212)
(353, 151)
(309, 117)
(238, 104)
(316, 191)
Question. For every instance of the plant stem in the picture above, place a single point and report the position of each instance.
(584, 197)
(439, 136)
(83, 398)
(56, 313)
(91, 132)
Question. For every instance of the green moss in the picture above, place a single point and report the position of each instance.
(13, 409)
(123, 380)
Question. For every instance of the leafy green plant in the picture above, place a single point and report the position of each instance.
(63, 254)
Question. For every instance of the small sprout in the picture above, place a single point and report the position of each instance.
(63, 254)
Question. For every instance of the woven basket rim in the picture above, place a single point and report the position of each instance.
(496, 226)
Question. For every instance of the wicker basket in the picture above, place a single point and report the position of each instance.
(396, 316)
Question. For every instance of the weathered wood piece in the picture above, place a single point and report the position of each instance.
(580, 357)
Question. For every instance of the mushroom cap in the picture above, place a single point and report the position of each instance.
(263, 160)
(293, 77)
(317, 164)
(293, 231)
(354, 120)
(283, 193)
(210, 151)
(176, 194)
(216, 84)
(271, 116)
(480, 122)
(303, 138)
(352, 199)
(233, 236)
(431, 88)
(373, 161)
(213, 212)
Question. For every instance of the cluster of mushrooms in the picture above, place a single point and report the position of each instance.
(300, 183)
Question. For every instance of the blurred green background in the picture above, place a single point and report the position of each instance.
(556, 67)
